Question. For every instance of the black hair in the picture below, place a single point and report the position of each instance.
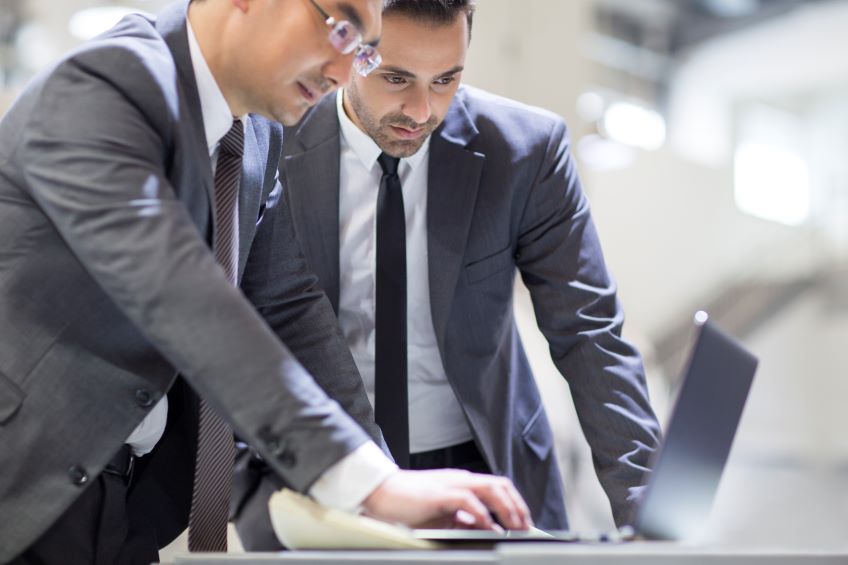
(438, 12)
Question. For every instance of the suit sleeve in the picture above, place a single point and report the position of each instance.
(94, 163)
(285, 292)
(574, 298)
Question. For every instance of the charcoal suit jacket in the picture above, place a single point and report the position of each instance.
(503, 197)
(109, 290)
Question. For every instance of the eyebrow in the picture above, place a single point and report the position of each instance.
(351, 14)
(406, 74)
(396, 71)
(453, 71)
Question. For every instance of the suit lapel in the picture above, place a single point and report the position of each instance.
(311, 179)
(312, 185)
(454, 177)
(250, 192)
(171, 24)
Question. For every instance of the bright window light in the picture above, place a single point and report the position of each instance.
(771, 177)
(772, 183)
(634, 125)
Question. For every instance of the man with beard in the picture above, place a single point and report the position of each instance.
(416, 200)
(138, 189)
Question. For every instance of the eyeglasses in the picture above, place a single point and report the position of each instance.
(346, 39)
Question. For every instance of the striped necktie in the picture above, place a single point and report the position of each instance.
(213, 466)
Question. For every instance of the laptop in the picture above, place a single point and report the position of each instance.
(676, 503)
(687, 468)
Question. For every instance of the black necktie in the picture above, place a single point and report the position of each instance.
(213, 466)
(391, 402)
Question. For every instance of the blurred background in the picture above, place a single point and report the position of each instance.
(712, 140)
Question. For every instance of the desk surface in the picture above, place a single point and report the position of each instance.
(637, 553)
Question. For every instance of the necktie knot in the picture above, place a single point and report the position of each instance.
(388, 163)
(233, 142)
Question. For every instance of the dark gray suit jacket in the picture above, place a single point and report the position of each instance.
(503, 195)
(108, 290)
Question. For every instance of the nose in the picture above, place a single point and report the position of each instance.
(337, 71)
(417, 105)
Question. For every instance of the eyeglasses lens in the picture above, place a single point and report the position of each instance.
(345, 37)
(367, 59)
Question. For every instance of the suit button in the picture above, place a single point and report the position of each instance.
(77, 475)
(275, 446)
(287, 459)
(144, 397)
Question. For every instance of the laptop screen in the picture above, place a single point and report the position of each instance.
(699, 435)
(687, 468)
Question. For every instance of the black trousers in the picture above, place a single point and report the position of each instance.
(461, 456)
(97, 529)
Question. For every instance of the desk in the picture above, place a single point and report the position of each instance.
(636, 553)
(344, 558)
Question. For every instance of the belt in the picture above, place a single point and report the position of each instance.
(458, 455)
(122, 464)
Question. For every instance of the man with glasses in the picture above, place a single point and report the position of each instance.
(138, 190)
(417, 201)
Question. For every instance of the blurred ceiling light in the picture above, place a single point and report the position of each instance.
(634, 125)
(590, 106)
(772, 183)
(732, 8)
(602, 154)
(91, 22)
(626, 57)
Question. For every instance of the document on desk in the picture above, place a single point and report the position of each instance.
(301, 523)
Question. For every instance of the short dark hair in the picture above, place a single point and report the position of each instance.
(434, 11)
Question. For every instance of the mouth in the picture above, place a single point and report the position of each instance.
(406, 133)
(310, 95)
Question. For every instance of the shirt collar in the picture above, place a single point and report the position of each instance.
(217, 117)
(364, 147)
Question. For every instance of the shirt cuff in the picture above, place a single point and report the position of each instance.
(348, 483)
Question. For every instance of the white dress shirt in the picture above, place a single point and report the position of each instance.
(436, 418)
(347, 483)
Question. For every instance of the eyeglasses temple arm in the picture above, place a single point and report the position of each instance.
(327, 17)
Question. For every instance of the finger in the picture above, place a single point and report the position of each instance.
(493, 494)
(463, 520)
(465, 500)
(518, 501)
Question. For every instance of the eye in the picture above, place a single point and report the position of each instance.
(394, 79)
(444, 81)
